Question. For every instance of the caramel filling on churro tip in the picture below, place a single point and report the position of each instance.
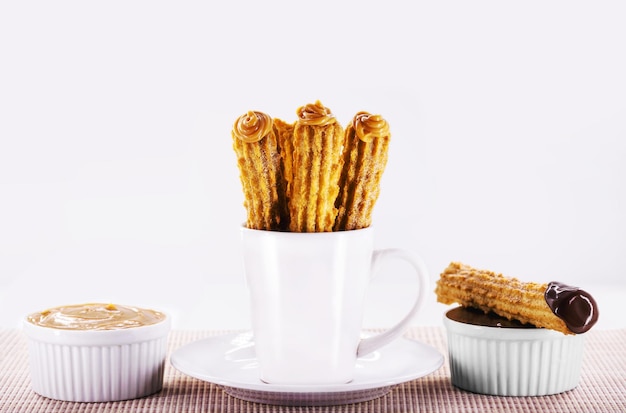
(315, 114)
(252, 127)
(368, 126)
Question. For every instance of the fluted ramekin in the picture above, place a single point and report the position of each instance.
(97, 365)
(512, 361)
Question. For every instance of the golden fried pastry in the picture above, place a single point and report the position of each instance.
(258, 157)
(556, 306)
(284, 132)
(364, 161)
(317, 142)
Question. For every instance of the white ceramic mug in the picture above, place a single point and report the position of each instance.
(307, 294)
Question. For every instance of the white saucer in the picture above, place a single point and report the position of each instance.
(229, 361)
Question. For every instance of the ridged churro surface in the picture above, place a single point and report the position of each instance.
(364, 160)
(505, 296)
(260, 165)
(284, 132)
(316, 167)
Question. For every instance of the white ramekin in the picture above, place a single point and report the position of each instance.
(97, 366)
(512, 361)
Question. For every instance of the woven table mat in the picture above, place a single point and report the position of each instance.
(602, 387)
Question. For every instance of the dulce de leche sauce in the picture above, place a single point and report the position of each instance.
(95, 316)
(368, 126)
(252, 126)
(315, 114)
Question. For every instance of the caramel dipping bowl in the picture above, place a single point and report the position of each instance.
(97, 365)
(508, 361)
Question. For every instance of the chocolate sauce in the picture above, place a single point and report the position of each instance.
(477, 317)
(574, 306)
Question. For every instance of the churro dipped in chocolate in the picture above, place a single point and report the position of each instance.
(364, 161)
(553, 305)
(255, 142)
(316, 168)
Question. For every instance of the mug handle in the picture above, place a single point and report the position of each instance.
(370, 344)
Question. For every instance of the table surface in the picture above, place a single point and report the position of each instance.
(602, 387)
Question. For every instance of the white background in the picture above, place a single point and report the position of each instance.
(118, 181)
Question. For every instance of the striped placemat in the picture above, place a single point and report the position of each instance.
(602, 387)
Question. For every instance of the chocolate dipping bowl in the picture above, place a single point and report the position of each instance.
(512, 361)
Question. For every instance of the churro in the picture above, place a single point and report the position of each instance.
(260, 165)
(316, 166)
(284, 133)
(553, 305)
(364, 160)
